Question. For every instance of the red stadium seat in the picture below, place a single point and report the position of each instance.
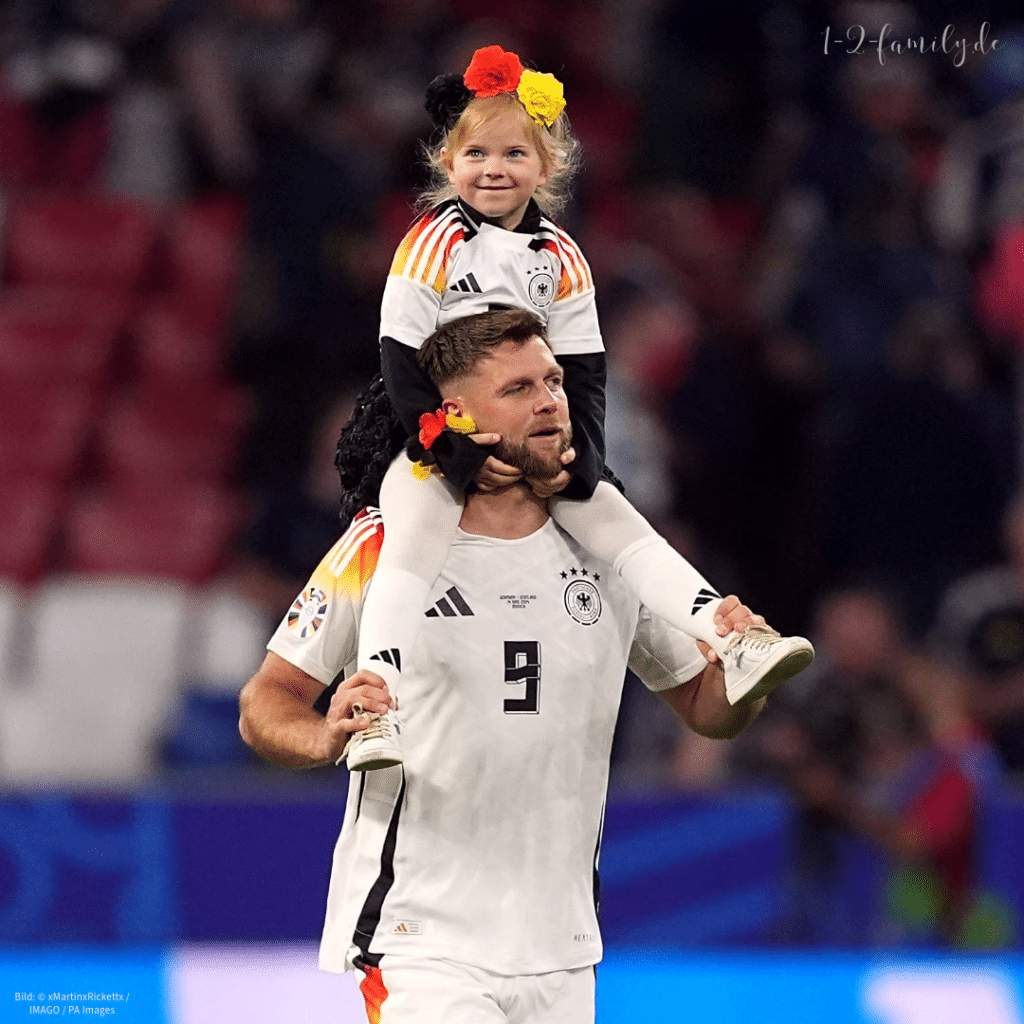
(204, 242)
(176, 345)
(59, 333)
(18, 143)
(30, 512)
(70, 239)
(999, 291)
(187, 433)
(173, 532)
(44, 430)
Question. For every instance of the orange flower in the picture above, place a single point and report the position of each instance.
(431, 425)
(493, 70)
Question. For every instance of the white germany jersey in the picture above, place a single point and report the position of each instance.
(482, 848)
(451, 264)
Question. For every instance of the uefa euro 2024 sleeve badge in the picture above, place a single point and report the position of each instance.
(307, 613)
(582, 599)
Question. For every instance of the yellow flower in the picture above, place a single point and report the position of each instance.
(460, 424)
(542, 95)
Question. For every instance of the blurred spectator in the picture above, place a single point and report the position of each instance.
(247, 67)
(649, 334)
(979, 629)
(701, 97)
(294, 526)
(55, 84)
(905, 443)
(152, 148)
(876, 740)
(980, 184)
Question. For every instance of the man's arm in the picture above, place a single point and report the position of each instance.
(276, 716)
(702, 705)
(661, 652)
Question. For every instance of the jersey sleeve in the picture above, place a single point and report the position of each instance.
(572, 319)
(419, 276)
(662, 656)
(575, 338)
(319, 632)
(411, 391)
(585, 377)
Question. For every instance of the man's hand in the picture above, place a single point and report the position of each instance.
(364, 688)
(732, 615)
(494, 474)
(545, 486)
(277, 718)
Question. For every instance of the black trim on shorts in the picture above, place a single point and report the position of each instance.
(369, 916)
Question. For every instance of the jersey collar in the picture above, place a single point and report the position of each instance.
(529, 225)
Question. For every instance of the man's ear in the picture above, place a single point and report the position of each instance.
(453, 406)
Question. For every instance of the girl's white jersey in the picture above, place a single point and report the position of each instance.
(482, 847)
(453, 263)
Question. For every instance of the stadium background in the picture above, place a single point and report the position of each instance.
(810, 272)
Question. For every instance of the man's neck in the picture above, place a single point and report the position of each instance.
(508, 514)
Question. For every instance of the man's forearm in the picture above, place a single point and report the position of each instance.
(281, 726)
(702, 705)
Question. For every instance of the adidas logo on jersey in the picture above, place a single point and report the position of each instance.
(391, 656)
(450, 606)
(704, 596)
(467, 284)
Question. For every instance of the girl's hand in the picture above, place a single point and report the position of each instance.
(545, 486)
(494, 474)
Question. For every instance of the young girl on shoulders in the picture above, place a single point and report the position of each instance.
(503, 165)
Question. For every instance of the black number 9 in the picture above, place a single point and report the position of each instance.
(522, 666)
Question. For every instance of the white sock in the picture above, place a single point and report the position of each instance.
(420, 520)
(609, 527)
(390, 621)
(670, 587)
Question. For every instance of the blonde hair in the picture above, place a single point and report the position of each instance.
(558, 148)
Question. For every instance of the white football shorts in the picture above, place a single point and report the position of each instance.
(412, 990)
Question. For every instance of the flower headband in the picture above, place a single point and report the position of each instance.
(432, 426)
(493, 71)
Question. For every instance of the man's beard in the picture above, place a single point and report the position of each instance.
(520, 455)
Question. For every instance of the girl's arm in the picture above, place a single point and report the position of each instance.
(584, 387)
(413, 393)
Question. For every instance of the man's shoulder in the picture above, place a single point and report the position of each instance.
(356, 551)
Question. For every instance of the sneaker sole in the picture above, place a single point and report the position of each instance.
(372, 764)
(786, 668)
(371, 755)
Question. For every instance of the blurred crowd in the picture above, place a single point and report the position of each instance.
(810, 273)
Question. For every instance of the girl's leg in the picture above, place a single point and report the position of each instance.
(420, 520)
(609, 527)
(754, 662)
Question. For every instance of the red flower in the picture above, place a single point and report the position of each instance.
(493, 70)
(431, 425)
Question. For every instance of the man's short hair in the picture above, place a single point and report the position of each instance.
(454, 349)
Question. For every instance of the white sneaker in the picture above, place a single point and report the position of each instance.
(376, 746)
(759, 659)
